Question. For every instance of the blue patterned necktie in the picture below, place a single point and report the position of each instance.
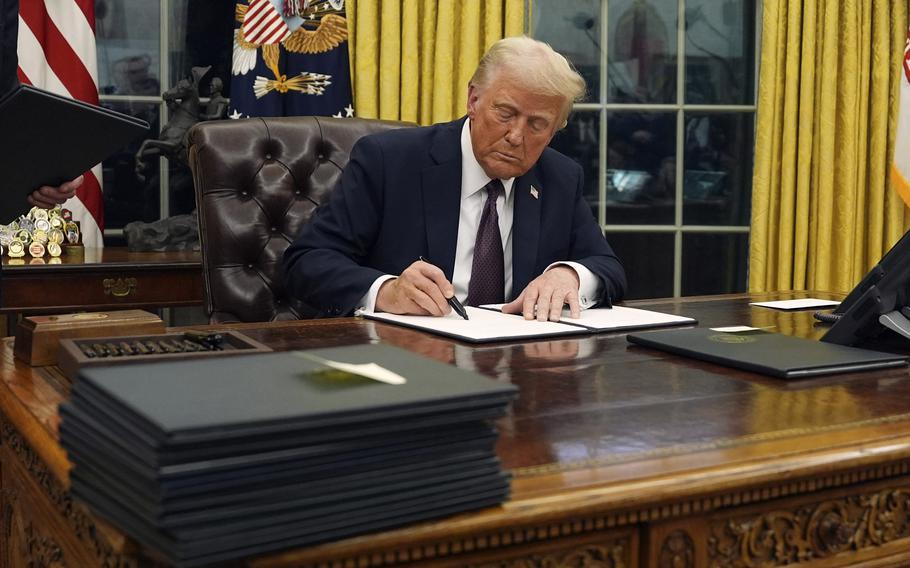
(487, 285)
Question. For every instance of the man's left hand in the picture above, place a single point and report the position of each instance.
(47, 197)
(545, 296)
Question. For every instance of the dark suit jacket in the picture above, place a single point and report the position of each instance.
(9, 27)
(399, 199)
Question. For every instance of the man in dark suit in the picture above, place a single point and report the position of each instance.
(45, 196)
(479, 208)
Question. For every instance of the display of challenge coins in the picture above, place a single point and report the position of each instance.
(42, 232)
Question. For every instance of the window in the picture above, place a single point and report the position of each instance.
(144, 47)
(666, 134)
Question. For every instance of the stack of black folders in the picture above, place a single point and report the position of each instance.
(214, 460)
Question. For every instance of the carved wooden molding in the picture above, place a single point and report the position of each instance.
(677, 551)
(812, 531)
(540, 533)
(73, 514)
(23, 543)
(41, 550)
(613, 555)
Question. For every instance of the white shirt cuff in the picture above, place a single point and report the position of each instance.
(590, 287)
(368, 301)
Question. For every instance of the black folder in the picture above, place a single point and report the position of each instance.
(768, 353)
(48, 139)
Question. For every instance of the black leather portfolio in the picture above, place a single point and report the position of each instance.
(48, 139)
(768, 353)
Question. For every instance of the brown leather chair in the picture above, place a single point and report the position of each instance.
(257, 182)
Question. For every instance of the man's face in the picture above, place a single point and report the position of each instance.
(510, 126)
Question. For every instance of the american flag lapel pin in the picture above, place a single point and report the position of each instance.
(534, 193)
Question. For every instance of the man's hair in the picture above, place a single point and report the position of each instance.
(536, 66)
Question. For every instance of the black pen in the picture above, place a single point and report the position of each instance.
(453, 301)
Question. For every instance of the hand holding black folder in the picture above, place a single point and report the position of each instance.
(49, 140)
(47, 197)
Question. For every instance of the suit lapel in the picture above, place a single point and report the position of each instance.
(441, 190)
(526, 230)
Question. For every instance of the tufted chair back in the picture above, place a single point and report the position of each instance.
(257, 182)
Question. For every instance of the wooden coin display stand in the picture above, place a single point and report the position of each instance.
(73, 356)
(38, 337)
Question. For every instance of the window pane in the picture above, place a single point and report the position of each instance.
(202, 35)
(717, 187)
(580, 140)
(127, 43)
(648, 260)
(642, 66)
(573, 29)
(720, 51)
(126, 197)
(641, 167)
(714, 263)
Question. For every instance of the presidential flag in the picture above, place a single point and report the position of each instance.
(56, 48)
(900, 170)
(290, 58)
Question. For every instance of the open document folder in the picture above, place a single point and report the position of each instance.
(49, 139)
(490, 324)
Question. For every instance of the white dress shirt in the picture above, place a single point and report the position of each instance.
(473, 197)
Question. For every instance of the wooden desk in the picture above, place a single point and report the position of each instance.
(622, 457)
(108, 278)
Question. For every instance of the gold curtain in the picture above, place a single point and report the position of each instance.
(412, 59)
(823, 210)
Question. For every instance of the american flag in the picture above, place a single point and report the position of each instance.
(57, 53)
(263, 24)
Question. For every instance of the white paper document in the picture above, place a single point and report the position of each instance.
(735, 329)
(617, 318)
(368, 370)
(802, 304)
(483, 325)
(489, 324)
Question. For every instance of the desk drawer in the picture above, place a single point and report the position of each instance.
(117, 289)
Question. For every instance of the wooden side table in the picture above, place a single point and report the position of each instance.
(103, 279)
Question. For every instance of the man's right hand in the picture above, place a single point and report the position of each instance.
(421, 289)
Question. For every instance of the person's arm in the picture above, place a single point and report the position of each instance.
(327, 266)
(323, 266)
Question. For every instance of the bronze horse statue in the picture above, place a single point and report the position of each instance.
(184, 110)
